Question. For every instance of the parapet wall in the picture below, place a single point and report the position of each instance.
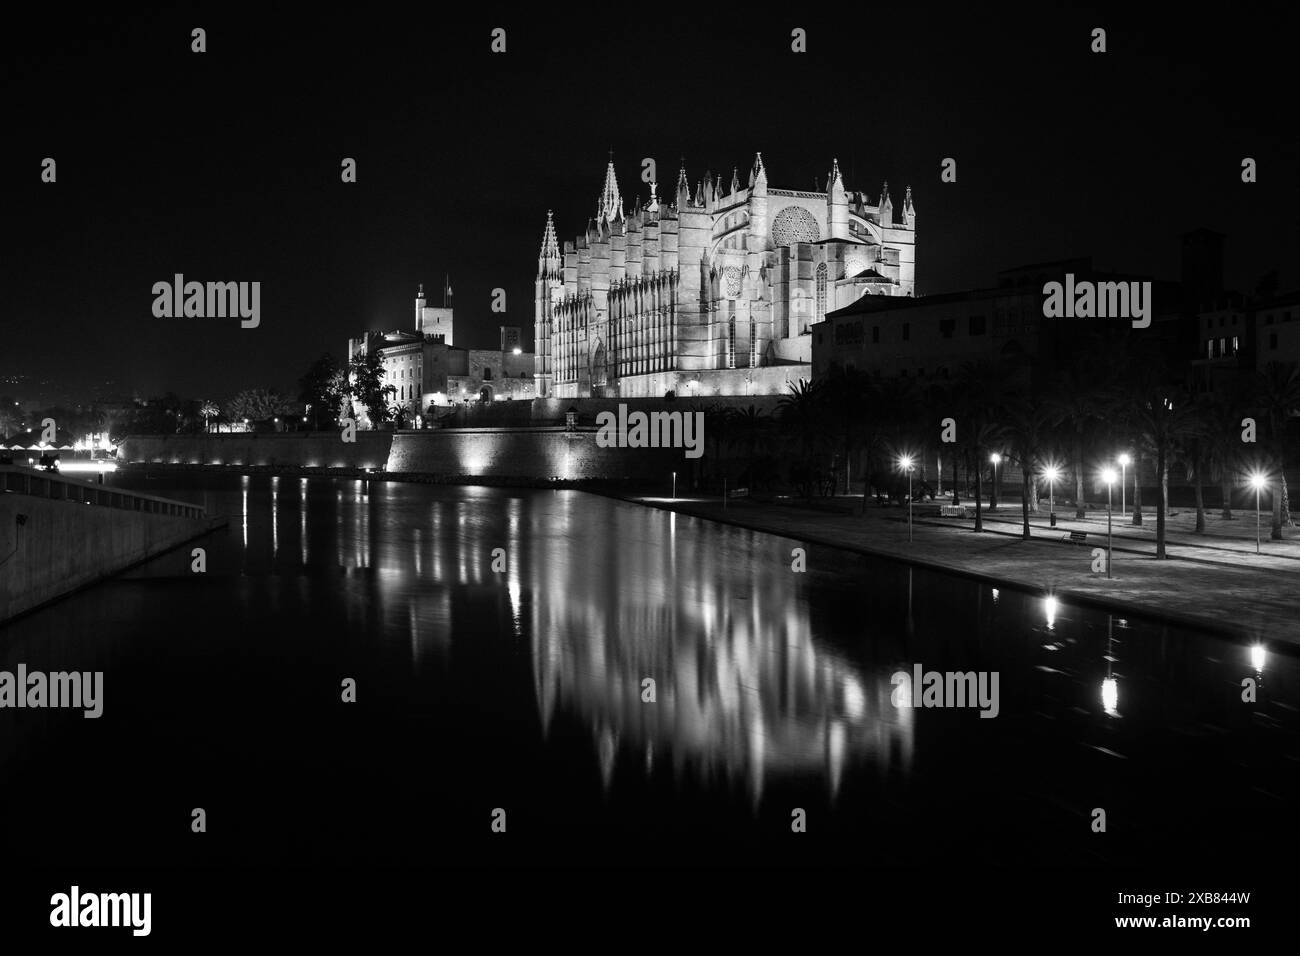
(61, 545)
(524, 454)
(242, 450)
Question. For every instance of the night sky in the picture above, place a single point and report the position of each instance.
(225, 165)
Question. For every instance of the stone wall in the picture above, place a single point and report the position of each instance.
(533, 453)
(65, 545)
(289, 449)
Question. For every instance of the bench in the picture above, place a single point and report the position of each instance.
(1076, 537)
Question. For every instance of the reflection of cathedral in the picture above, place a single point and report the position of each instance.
(743, 690)
(711, 293)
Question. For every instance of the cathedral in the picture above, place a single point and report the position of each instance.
(714, 292)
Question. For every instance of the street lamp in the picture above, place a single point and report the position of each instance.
(993, 495)
(1124, 462)
(1257, 481)
(1108, 475)
(905, 463)
(1051, 473)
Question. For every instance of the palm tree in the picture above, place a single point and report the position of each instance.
(1027, 425)
(1277, 395)
(209, 410)
(1222, 443)
(1163, 416)
(980, 395)
(848, 394)
(750, 431)
(801, 410)
(1076, 402)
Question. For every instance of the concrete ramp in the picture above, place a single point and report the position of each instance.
(58, 534)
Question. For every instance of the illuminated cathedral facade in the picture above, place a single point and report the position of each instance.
(713, 292)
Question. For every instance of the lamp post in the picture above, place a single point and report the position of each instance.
(1051, 473)
(1124, 461)
(1257, 481)
(993, 493)
(905, 463)
(1108, 475)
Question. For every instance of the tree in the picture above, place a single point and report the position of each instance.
(209, 410)
(1163, 416)
(367, 388)
(321, 390)
(258, 405)
(801, 411)
(1027, 425)
(1076, 403)
(980, 397)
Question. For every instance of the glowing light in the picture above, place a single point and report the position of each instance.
(1125, 460)
(905, 462)
(1052, 473)
(518, 352)
(995, 458)
(75, 467)
(1110, 696)
(1257, 657)
(1049, 609)
(1109, 476)
(1258, 481)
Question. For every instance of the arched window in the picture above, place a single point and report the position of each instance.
(821, 292)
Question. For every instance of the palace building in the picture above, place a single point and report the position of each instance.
(713, 293)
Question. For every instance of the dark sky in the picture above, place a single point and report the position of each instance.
(225, 165)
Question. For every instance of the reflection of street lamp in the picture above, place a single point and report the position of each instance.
(905, 463)
(1257, 481)
(1108, 475)
(1124, 462)
(993, 496)
(1109, 686)
(1051, 473)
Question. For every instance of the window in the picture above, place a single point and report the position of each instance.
(977, 325)
(946, 327)
(1209, 348)
(731, 340)
(821, 291)
(907, 331)
(1223, 347)
(1223, 320)
(1236, 344)
(875, 335)
(1272, 340)
(1234, 318)
(753, 343)
(487, 374)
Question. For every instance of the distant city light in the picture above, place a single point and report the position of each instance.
(995, 458)
(518, 351)
(1125, 460)
(1109, 476)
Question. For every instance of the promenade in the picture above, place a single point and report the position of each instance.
(1212, 580)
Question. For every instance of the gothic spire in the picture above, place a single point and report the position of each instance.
(611, 203)
(550, 248)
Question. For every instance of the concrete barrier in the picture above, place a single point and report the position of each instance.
(321, 450)
(59, 534)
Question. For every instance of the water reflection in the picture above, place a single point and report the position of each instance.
(768, 684)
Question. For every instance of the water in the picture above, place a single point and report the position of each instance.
(522, 690)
